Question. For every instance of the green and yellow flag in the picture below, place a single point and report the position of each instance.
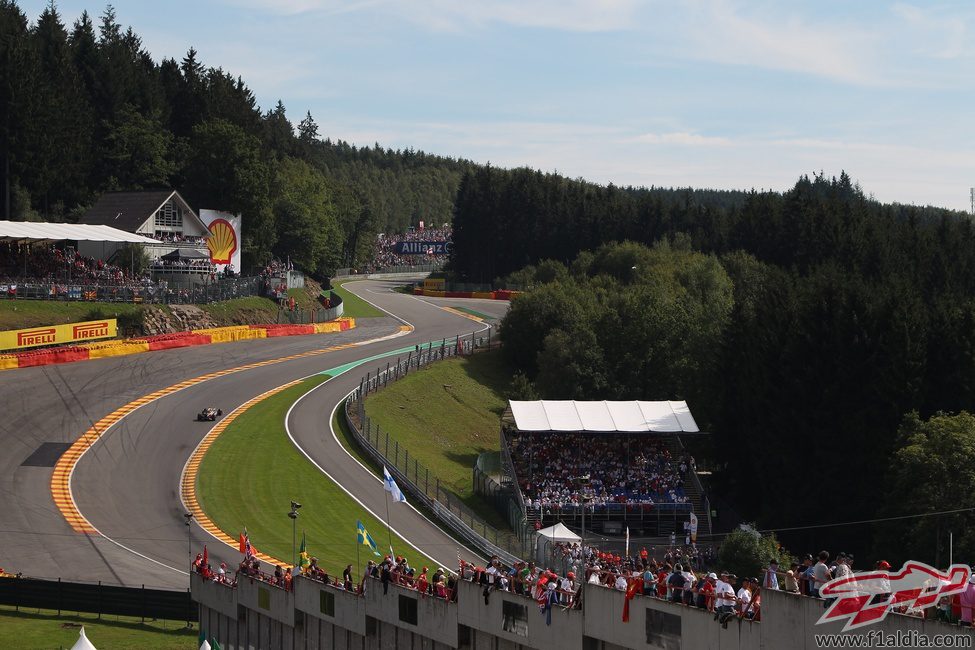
(365, 538)
(303, 561)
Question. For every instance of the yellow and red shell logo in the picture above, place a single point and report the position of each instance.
(223, 242)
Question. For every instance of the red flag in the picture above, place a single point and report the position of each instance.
(635, 587)
(243, 542)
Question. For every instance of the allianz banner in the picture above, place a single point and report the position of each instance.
(58, 334)
(423, 248)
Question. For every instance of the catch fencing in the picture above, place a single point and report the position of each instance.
(415, 477)
(98, 598)
(149, 292)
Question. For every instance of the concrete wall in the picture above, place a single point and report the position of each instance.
(219, 597)
(295, 621)
(564, 633)
(273, 603)
(349, 611)
(436, 618)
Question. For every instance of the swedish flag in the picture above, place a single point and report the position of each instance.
(365, 538)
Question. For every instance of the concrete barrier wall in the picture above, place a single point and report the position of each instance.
(373, 621)
(565, 632)
(436, 619)
(349, 609)
(218, 597)
(271, 602)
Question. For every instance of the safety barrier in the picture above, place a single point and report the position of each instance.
(232, 333)
(414, 477)
(500, 294)
(177, 340)
(122, 347)
(116, 348)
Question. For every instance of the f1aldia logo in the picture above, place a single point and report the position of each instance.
(866, 598)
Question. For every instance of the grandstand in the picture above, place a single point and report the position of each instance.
(620, 463)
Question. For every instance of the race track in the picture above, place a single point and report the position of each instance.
(127, 484)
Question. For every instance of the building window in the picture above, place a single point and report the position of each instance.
(169, 216)
(663, 630)
(407, 610)
(327, 603)
(514, 618)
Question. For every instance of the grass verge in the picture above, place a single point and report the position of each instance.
(33, 628)
(447, 414)
(354, 306)
(17, 314)
(253, 471)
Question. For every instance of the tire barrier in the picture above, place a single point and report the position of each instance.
(116, 348)
(233, 333)
(120, 347)
(500, 294)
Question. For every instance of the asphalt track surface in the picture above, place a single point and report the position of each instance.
(127, 484)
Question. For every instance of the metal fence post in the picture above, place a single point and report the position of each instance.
(406, 462)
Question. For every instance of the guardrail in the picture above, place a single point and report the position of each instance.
(98, 598)
(150, 292)
(415, 478)
(419, 268)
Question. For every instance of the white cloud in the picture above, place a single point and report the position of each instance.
(682, 138)
(934, 34)
(451, 15)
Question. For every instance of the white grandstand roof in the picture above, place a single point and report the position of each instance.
(42, 232)
(606, 417)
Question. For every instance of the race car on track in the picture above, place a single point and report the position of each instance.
(209, 414)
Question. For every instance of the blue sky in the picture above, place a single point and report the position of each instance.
(703, 93)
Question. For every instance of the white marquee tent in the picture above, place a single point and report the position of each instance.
(559, 533)
(27, 231)
(606, 417)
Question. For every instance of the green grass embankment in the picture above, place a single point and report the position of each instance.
(252, 473)
(445, 415)
(19, 314)
(354, 306)
(33, 629)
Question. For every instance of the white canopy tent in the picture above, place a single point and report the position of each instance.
(604, 416)
(83, 643)
(27, 231)
(559, 533)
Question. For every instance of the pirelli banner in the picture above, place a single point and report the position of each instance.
(58, 334)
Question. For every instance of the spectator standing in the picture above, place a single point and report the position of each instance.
(771, 579)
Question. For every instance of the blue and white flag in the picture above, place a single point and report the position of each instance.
(390, 486)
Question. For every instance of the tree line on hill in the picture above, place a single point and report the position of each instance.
(824, 339)
(86, 110)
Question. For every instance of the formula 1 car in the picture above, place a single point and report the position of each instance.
(209, 414)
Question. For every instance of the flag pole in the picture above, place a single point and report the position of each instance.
(389, 535)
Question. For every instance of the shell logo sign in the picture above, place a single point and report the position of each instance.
(223, 242)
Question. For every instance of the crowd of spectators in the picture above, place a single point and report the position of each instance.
(53, 264)
(559, 470)
(384, 253)
(176, 238)
(183, 265)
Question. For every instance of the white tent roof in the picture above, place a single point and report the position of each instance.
(41, 232)
(82, 643)
(607, 417)
(559, 533)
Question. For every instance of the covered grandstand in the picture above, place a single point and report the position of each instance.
(620, 462)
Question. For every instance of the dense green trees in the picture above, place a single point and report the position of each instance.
(814, 320)
(85, 109)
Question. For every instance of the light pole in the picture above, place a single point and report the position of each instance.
(294, 531)
(188, 516)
